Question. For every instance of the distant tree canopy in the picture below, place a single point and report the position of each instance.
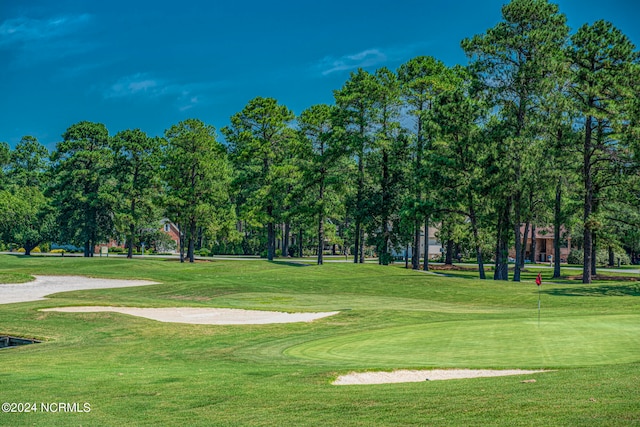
(541, 129)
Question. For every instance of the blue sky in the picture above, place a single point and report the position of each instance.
(150, 64)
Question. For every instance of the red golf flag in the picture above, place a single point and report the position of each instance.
(539, 279)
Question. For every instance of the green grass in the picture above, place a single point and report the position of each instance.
(6, 277)
(135, 371)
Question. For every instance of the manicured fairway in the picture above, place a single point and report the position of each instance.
(134, 371)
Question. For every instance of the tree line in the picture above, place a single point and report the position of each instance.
(539, 129)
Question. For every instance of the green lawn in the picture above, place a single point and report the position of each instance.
(135, 371)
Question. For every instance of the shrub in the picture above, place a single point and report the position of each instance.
(602, 257)
(575, 257)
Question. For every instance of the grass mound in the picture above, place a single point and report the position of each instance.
(13, 278)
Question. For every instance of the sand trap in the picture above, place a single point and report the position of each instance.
(407, 376)
(204, 316)
(47, 285)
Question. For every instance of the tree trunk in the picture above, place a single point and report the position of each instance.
(285, 239)
(320, 238)
(476, 238)
(199, 238)
(415, 250)
(523, 248)
(271, 234)
(557, 223)
(192, 240)
(425, 266)
(383, 255)
(449, 255)
(612, 260)
(406, 256)
(361, 245)
(271, 241)
(300, 248)
(502, 244)
(181, 241)
(534, 245)
(130, 242)
(588, 203)
(518, 236)
(358, 249)
(594, 251)
(132, 228)
(356, 242)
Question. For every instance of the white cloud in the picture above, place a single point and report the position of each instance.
(145, 86)
(134, 85)
(18, 31)
(366, 58)
(187, 102)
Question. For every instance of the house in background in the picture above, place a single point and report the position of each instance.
(171, 230)
(434, 246)
(544, 245)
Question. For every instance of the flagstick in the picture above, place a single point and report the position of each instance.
(539, 305)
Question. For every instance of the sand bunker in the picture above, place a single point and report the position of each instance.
(204, 316)
(47, 285)
(407, 376)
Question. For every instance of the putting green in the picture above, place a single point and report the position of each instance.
(557, 342)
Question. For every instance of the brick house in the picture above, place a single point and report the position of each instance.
(544, 245)
(172, 231)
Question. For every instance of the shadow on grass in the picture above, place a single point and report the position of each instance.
(597, 291)
(291, 263)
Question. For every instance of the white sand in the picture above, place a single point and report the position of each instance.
(407, 376)
(47, 285)
(203, 316)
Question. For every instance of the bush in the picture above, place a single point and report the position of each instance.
(575, 257)
(602, 257)
(203, 252)
(57, 251)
